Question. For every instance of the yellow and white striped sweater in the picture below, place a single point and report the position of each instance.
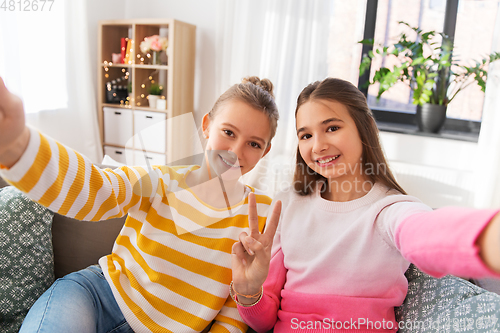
(164, 278)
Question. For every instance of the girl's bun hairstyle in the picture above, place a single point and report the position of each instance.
(256, 92)
(265, 84)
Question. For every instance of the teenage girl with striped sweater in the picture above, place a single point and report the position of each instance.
(170, 266)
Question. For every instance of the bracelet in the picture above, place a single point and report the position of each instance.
(233, 294)
(231, 287)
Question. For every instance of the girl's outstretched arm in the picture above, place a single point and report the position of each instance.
(64, 180)
(489, 244)
(14, 135)
(450, 240)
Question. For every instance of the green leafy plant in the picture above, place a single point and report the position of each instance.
(425, 63)
(155, 89)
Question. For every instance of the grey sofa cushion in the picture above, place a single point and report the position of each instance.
(3, 183)
(449, 304)
(79, 244)
(26, 261)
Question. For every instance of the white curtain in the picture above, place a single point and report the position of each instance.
(285, 41)
(44, 58)
(487, 193)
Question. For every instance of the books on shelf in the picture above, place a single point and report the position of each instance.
(129, 51)
(123, 48)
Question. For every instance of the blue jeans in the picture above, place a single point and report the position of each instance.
(79, 302)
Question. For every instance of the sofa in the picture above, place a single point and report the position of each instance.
(73, 245)
(449, 304)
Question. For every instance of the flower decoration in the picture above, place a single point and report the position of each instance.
(154, 43)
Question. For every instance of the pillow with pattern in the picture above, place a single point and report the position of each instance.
(26, 257)
(449, 304)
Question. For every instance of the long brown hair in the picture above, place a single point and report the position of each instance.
(372, 158)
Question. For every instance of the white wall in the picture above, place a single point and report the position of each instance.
(440, 172)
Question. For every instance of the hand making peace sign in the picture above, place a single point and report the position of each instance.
(252, 254)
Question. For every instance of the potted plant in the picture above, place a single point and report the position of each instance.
(155, 91)
(427, 65)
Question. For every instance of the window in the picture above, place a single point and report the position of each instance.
(473, 39)
(471, 22)
(33, 56)
(416, 13)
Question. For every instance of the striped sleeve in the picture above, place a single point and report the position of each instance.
(228, 319)
(68, 183)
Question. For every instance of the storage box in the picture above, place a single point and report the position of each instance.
(118, 126)
(151, 128)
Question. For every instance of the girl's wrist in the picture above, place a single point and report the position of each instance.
(246, 290)
(15, 150)
(245, 299)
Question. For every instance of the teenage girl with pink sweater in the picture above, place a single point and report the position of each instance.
(347, 231)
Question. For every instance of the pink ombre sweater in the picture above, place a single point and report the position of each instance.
(341, 264)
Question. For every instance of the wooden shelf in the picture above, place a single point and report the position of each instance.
(144, 66)
(162, 67)
(142, 108)
(117, 81)
(113, 105)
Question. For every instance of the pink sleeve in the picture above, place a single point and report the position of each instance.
(262, 316)
(443, 241)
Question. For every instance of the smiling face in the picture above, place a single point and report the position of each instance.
(329, 141)
(238, 137)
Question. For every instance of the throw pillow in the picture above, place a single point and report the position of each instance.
(26, 258)
(449, 304)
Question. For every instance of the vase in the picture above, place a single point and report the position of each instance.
(431, 117)
(156, 58)
(161, 104)
(152, 100)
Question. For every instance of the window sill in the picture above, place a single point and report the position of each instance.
(413, 130)
(404, 123)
